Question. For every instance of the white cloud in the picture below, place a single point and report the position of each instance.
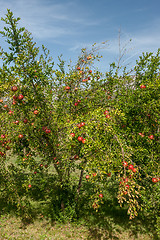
(71, 24)
(146, 40)
(49, 20)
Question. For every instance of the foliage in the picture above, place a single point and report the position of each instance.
(94, 134)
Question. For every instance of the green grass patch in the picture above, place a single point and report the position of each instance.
(12, 228)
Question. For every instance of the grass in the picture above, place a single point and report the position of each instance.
(11, 228)
(111, 222)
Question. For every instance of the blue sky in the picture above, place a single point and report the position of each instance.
(66, 26)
